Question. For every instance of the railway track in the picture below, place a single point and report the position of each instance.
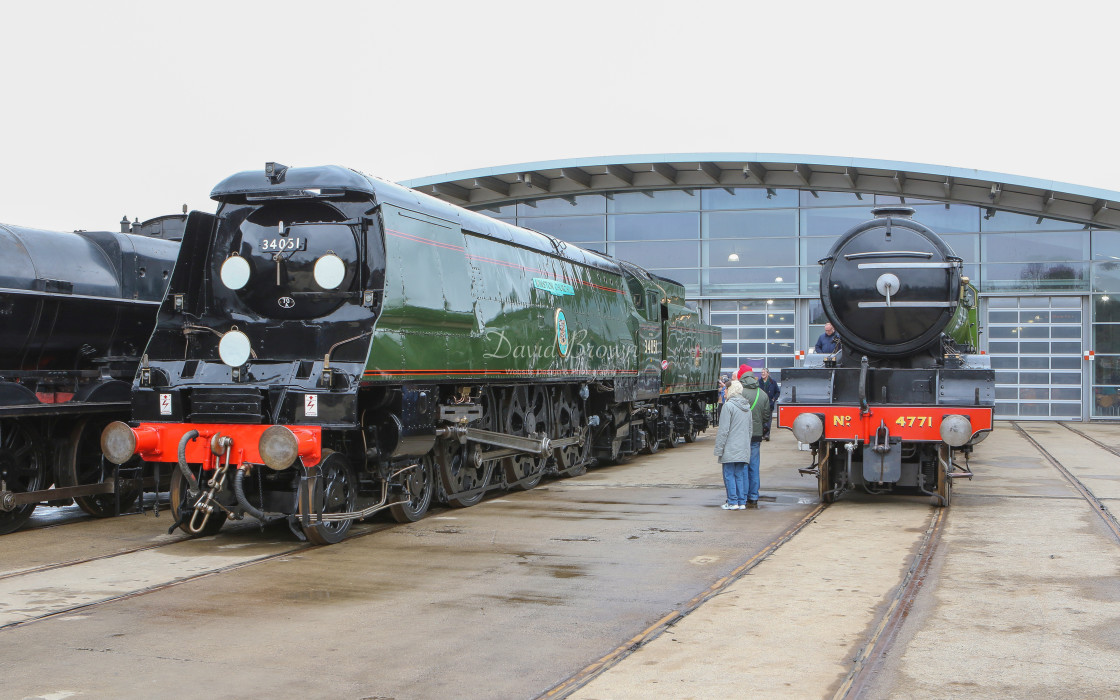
(869, 661)
(23, 585)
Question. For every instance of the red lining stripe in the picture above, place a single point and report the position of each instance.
(531, 372)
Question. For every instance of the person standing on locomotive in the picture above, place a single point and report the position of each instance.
(760, 415)
(829, 342)
(734, 447)
(772, 392)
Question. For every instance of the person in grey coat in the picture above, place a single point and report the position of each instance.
(733, 446)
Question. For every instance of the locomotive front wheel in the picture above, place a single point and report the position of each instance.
(333, 490)
(419, 486)
(22, 467)
(457, 475)
(80, 463)
(652, 444)
(182, 504)
(671, 440)
(526, 414)
(944, 483)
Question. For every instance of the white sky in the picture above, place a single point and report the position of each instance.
(111, 107)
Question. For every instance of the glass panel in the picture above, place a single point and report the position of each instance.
(832, 222)
(1003, 317)
(1065, 316)
(747, 198)
(811, 280)
(1106, 307)
(1006, 392)
(1106, 370)
(818, 198)
(1004, 362)
(688, 278)
(1033, 331)
(1029, 247)
(1034, 377)
(1065, 363)
(1065, 302)
(645, 227)
(1034, 409)
(813, 249)
(1007, 221)
(574, 229)
(1106, 277)
(1065, 410)
(1007, 377)
(1106, 338)
(753, 333)
(1006, 409)
(1003, 303)
(723, 319)
(751, 224)
(579, 204)
(754, 253)
(1066, 394)
(753, 305)
(958, 218)
(653, 200)
(1036, 316)
(780, 333)
(966, 246)
(1066, 347)
(1036, 348)
(1034, 276)
(1003, 332)
(724, 305)
(1106, 245)
(816, 313)
(1065, 378)
(729, 348)
(779, 348)
(1106, 401)
(764, 279)
(650, 254)
(1034, 394)
(752, 348)
(1035, 363)
(1003, 348)
(1065, 331)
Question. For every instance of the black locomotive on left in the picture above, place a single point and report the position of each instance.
(77, 308)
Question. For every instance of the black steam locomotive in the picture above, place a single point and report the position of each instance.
(333, 345)
(906, 390)
(77, 309)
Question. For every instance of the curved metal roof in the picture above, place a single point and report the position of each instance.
(557, 178)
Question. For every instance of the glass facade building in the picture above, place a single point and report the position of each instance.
(747, 255)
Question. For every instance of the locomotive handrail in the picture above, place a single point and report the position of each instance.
(889, 254)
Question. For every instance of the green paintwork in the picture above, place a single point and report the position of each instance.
(431, 329)
(964, 326)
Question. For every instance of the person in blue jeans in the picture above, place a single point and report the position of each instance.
(733, 446)
(760, 414)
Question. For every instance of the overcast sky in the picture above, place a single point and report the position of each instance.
(114, 108)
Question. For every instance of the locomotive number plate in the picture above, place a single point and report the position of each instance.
(911, 421)
(283, 245)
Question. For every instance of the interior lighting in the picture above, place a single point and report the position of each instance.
(1104, 298)
(769, 301)
(734, 257)
(778, 279)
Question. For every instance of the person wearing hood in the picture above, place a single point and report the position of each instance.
(733, 445)
(760, 414)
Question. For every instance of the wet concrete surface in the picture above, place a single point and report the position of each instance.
(504, 599)
(510, 597)
(1021, 601)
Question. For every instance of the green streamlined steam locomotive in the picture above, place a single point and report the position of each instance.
(333, 344)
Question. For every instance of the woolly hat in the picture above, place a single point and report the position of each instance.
(743, 370)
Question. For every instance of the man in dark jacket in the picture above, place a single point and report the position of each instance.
(760, 411)
(829, 342)
(772, 392)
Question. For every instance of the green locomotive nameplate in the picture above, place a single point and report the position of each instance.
(554, 287)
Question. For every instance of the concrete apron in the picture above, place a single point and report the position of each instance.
(794, 624)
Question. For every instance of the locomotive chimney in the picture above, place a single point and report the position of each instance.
(125, 227)
(894, 211)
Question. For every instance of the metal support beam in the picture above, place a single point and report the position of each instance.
(756, 171)
(666, 171)
(493, 184)
(622, 173)
(948, 187)
(1048, 200)
(899, 181)
(536, 180)
(803, 172)
(712, 171)
(1099, 206)
(852, 176)
(996, 193)
(449, 190)
(577, 175)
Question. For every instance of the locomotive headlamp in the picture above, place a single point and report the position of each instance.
(118, 442)
(279, 447)
(808, 428)
(234, 348)
(956, 430)
(329, 271)
(235, 272)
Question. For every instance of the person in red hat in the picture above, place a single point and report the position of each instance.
(760, 412)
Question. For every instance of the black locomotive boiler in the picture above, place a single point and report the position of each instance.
(333, 345)
(907, 390)
(76, 310)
